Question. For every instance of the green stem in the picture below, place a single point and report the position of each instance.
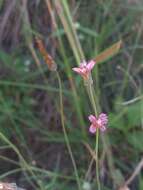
(23, 163)
(97, 161)
(65, 133)
(91, 96)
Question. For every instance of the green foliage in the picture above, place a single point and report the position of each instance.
(30, 110)
(134, 114)
(129, 117)
(141, 183)
(136, 140)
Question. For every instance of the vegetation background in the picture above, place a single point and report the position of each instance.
(44, 138)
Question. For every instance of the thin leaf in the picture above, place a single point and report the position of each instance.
(109, 52)
(1, 4)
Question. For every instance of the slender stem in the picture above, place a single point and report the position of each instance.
(92, 99)
(97, 161)
(91, 96)
(65, 133)
(22, 161)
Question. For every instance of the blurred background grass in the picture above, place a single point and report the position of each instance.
(33, 149)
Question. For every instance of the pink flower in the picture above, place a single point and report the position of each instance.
(98, 123)
(85, 68)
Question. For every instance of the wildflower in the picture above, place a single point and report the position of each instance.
(98, 123)
(85, 69)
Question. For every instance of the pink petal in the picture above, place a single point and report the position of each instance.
(92, 118)
(102, 128)
(90, 65)
(83, 71)
(103, 119)
(78, 70)
(92, 129)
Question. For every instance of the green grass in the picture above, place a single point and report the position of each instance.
(43, 119)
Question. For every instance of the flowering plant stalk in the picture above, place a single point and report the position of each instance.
(97, 122)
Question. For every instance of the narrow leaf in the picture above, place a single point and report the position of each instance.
(109, 52)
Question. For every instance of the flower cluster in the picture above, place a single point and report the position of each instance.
(100, 123)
